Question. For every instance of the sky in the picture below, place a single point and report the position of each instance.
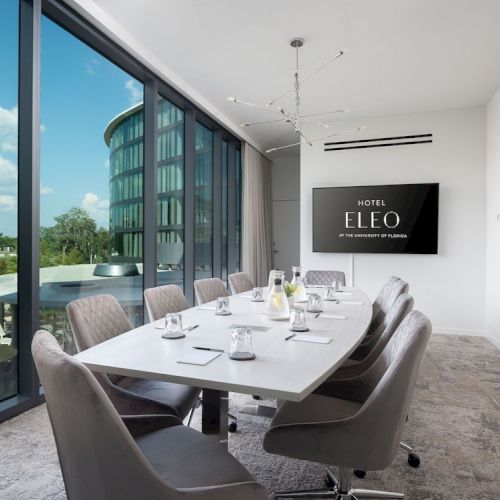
(81, 92)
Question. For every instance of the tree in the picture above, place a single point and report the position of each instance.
(74, 239)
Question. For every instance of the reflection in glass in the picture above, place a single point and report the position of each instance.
(9, 35)
(170, 207)
(203, 202)
(91, 209)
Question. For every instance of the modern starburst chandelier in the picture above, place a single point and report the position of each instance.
(295, 118)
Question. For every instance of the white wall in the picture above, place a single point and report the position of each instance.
(449, 287)
(492, 218)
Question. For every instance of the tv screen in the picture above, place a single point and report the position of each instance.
(376, 219)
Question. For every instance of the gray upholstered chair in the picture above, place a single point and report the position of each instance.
(209, 289)
(324, 278)
(388, 294)
(362, 432)
(367, 354)
(101, 460)
(163, 300)
(239, 283)
(99, 318)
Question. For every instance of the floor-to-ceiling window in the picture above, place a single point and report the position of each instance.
(123, 177)
(9, 34)
(170, 185)
(91, 190)
(203, 203)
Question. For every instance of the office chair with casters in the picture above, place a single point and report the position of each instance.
(100, 317)
(363, 358)
(361, 433)
(239, 283)
(209, 289)
(101, 460)
(324, 278)
(163, 300)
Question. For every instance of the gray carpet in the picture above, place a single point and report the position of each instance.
(454, 424)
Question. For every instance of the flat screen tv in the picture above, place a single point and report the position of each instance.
(399, 218)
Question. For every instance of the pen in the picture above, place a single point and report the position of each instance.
(290, 336)
(189, 328)
(208, 349)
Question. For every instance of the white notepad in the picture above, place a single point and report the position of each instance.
(331, 316)
(312, 338)
(206, 308)
(342, 292)
(352, 302)
(198, 357)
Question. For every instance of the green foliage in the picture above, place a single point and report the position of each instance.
(74, 239)
(8, 264)
(289, 289)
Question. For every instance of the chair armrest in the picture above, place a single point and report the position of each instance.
(144, 424)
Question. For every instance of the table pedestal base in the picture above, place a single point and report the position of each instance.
(214, 415)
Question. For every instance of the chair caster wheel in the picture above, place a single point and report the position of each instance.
(359, 473)
(232, 427)
(329, 483)
(413, 459)
(258, 398)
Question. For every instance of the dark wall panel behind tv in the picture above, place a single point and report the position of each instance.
(376, 219)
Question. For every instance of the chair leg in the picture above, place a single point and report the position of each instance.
(413, 458)
(321, 493)
(341, 490)
(191, 413)
(374, 495)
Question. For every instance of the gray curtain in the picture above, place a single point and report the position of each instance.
(257, 215)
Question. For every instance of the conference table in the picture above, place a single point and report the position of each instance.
(283, 369)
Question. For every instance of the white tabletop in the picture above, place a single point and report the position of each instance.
(287, 370)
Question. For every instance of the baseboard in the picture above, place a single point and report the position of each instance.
(494, 340)
(463, 331)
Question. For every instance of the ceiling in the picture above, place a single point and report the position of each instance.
(403, 55)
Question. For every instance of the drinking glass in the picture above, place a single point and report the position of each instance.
(298, 320)
(330, 293)
(337, 285)
(173, 326)
(241, 347)
(222, 308)
(257, 294)
(315, 304)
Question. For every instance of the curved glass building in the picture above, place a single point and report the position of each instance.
(124, 136)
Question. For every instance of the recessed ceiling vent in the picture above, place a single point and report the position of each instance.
(381, 142)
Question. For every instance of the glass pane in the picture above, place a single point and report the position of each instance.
(170, 209)
(9, 35)
(238, 209)
(203, 202)
(224, 210)
(91, 209)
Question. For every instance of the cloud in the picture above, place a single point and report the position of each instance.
(97, 208)
(8, 203)
(43, 127)
(8, 173)
(46, 190)
(106, 164)
(8, 130)
(135, 92)
(91, 66)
